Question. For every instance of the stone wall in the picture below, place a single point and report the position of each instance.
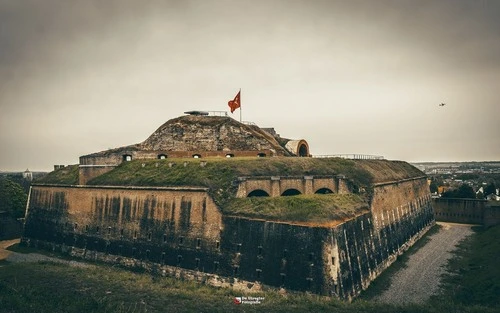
(123, 218)
(275, 186)
(168, 228)
(358, 250)
(94, 165)
(467, 211)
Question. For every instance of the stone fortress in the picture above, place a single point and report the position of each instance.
(229, 204)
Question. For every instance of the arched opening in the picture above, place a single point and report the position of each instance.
(303, 151)
(291, 192)
(261, 155)
(162, 156)
(127, 157)
(196, 156)
(258, 193)
(229, 155)
(323, 191)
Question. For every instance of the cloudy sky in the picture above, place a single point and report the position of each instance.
(78, 77)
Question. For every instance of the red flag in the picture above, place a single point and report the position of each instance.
(236, 103)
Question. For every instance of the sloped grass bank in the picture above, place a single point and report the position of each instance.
(473, 273)
(49, 287)
(67, 175)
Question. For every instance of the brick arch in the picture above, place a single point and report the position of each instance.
(291, 192)
(258, 193)
(323, 190)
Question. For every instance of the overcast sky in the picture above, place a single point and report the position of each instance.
(77, 77)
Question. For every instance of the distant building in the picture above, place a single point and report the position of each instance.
(28, 175)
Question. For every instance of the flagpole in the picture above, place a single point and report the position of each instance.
(240, 106)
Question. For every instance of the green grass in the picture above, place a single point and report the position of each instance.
(473, 273)
(50, 287)
(302, 208)
(220, 174)
(66, 176)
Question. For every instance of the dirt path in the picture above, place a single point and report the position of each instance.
(30, 257)
(420, 279)
(4, 254)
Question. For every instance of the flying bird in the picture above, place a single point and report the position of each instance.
(442, 104)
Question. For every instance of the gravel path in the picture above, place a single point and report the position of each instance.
(30, 257)
(420, 278)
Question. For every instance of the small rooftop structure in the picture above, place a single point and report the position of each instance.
(198, 113)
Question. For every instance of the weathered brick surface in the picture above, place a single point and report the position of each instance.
(183, 228)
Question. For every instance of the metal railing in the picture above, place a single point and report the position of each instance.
(217, 113)
(351, 156)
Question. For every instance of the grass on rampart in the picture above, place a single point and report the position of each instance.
(302, 208)
(67, 175)
(220, 176)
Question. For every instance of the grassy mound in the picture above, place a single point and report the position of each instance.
(67, 175)
(315, 209)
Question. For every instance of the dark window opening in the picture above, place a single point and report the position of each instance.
(150, 235)
(323, 191)
(127, 157)
(198, 242)
(333, 260)
(217, 244)
(109, 230)
(135, 234)
(303, 151)
(97, 229)
(261, 155)
(121, 232)
(291, 192)
(76, 226)
(86, 228)
(283, 276)
(162, 156)
(162, 258)
(309, 282)
(258, 193)
(181, 240)
(259, 273)
(164, 238)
